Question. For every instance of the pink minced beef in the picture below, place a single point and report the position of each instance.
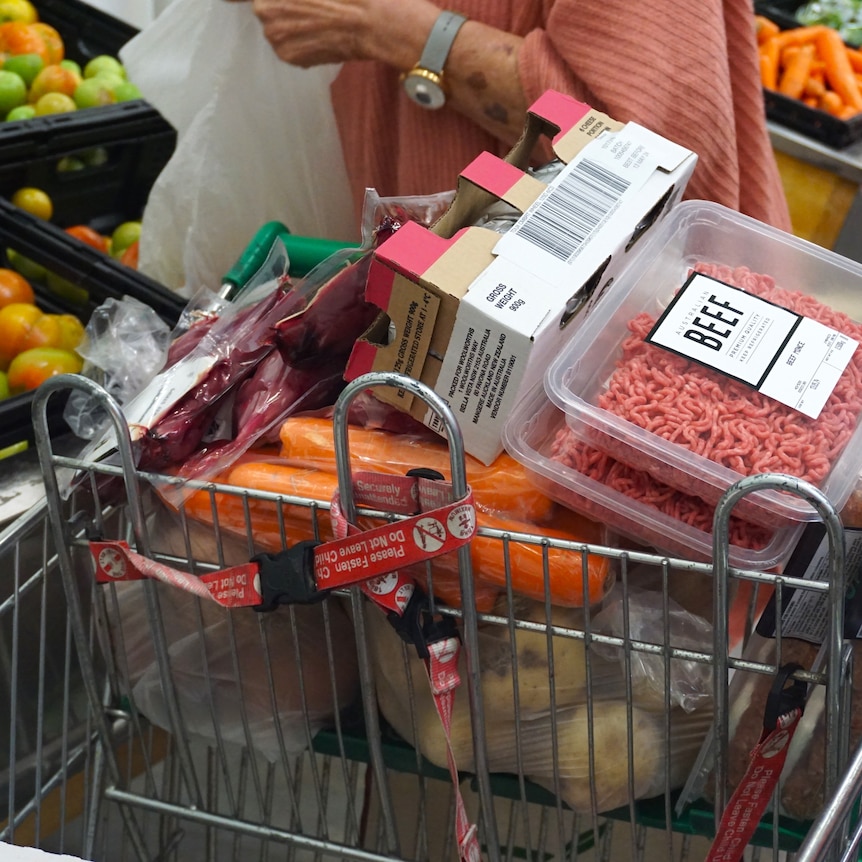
(716, 417)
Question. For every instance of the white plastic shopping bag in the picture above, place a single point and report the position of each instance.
(257, 142)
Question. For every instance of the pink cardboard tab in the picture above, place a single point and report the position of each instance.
(493, 174)
(562, 111)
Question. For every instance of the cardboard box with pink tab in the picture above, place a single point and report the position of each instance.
(477, 314)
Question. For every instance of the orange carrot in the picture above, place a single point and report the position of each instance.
(839, 72)
(800, 35)
(269, 531)
(768, 71)
(814, 89)
(848, 113)
(854, 55)
(271, 528)
(765, 28)
(526, 569)
(502, 488)
(832, 103)
(794, 75)
(770, 49)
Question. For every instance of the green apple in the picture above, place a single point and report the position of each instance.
(93, 92)
(123, 236)
(13, 91)
(25, 65)
(104, 63)
(22, 112)
(70, 163)
(72, 66)
(127, 92)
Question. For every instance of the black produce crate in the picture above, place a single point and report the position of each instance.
(87, 31)
(794, 113)
(823, 127)
(124, 146)
(782, 12)
(99, 274)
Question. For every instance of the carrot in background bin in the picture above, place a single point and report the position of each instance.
(796, 72)
(838, 70)
(503, 487)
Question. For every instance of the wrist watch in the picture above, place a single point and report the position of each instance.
(424, 82)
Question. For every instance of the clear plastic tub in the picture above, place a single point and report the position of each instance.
(530, 435)
(593, 384)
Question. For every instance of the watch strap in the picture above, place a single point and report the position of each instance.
(440, 41)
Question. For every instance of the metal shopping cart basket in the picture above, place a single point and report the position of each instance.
(179, 729)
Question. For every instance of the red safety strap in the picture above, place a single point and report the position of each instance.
(393, 593)
(373, 558)
(436, 525)
(749, 801)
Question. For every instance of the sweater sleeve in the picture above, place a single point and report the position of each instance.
(687, 71)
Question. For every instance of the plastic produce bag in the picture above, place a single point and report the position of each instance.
(125, 343)
(256, 142)
(544, 735)
(219, 659)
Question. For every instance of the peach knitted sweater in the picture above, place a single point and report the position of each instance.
(687, 70)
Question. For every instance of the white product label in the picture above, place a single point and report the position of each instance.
(155, 399)
(806, 613)
(790, 358)
(556, 229)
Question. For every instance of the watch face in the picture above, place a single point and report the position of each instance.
(424, 90)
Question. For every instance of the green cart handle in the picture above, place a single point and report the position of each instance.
(304, 253)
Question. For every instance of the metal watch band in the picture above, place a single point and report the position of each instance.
(440, 41)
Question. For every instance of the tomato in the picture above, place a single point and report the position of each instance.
(130, 256)
(16, 321)
(90, 237)
(14, 288)
(32, 368)
(71, 331)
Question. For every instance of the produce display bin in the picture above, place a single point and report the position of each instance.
(86, 269)
(86, 30)
(123, 148)
(794, 113)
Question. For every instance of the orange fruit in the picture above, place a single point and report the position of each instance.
(31, 368)
(130, 255)
(45, 332)
(16, 321)
(90, 237)
(14, 288)
(53, 41)
(16, 37)
(53, 79)
(71, 331)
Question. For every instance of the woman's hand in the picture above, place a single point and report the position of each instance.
(481, 73)
(311, 32)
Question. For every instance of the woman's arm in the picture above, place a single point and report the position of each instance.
(481, 73)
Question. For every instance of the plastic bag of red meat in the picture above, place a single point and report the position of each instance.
(727, 349)
(236, 373)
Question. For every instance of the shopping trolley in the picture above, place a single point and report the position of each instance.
(164, 755)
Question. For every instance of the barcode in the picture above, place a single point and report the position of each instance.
(572, 210)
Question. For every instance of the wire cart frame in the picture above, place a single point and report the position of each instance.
(352, 788)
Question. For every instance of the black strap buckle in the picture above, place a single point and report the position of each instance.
(419, 627)
(288, 577)
(785, 695)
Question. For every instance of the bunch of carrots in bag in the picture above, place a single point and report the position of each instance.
(302, 464)
(812, 64)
